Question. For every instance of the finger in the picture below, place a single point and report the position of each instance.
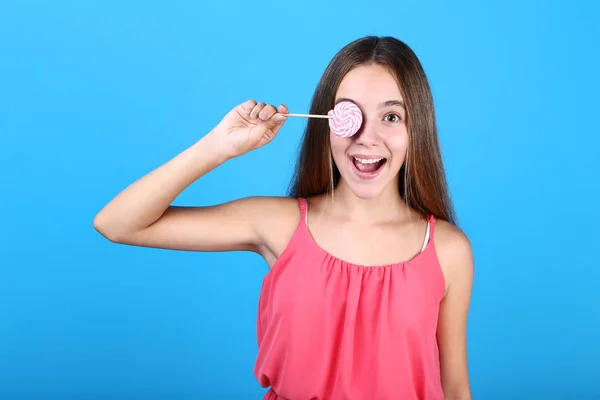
(247, 106)
(282, 109)
(257, 109)
(267, 112)
(277, 119)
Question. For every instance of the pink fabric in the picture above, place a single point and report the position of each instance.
(329, 329)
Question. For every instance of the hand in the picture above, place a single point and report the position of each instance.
(249, 126)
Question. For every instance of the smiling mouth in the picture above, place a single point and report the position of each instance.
(368, 165)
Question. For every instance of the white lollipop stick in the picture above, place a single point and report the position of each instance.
(308, 115)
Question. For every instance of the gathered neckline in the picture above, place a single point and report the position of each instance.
(302, 225)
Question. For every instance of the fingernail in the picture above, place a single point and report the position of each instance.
(279, 118)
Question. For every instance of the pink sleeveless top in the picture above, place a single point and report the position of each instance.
(329, 329)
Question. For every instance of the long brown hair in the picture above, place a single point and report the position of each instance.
(422, 179)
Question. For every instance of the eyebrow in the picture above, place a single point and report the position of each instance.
(388, 103)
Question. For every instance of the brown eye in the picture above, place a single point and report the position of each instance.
(392, 118)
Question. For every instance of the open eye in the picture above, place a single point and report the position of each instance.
(392, 118)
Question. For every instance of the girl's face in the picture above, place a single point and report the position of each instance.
(369, 161)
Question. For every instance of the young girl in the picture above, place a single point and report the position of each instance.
(369, 284)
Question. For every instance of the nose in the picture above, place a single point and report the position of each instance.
(368, 135)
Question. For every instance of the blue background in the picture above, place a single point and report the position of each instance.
(94, 94)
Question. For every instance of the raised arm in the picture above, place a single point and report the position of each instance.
(142, 214)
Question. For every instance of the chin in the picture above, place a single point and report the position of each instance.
(365, 192)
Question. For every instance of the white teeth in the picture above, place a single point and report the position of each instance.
(368, 160)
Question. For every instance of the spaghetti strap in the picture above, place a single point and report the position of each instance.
(431, 221)
(303, 213)
(427, 236)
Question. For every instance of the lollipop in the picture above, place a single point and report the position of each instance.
(344, 120)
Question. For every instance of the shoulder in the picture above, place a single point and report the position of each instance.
(275, 220)
(455, 254)
(273, 208)
(268, 212)
(262, 214)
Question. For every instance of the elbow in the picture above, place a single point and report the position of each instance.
(104, 228)
(114, 232)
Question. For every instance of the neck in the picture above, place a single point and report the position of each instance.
(388, 204)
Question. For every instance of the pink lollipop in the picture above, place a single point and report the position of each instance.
(346, 119)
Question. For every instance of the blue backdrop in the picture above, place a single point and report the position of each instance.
(95, 94)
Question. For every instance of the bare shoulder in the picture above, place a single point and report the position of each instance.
(272, 216)
(280, 205)
(455, 254)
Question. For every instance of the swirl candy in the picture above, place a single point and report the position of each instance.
(345, 119)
